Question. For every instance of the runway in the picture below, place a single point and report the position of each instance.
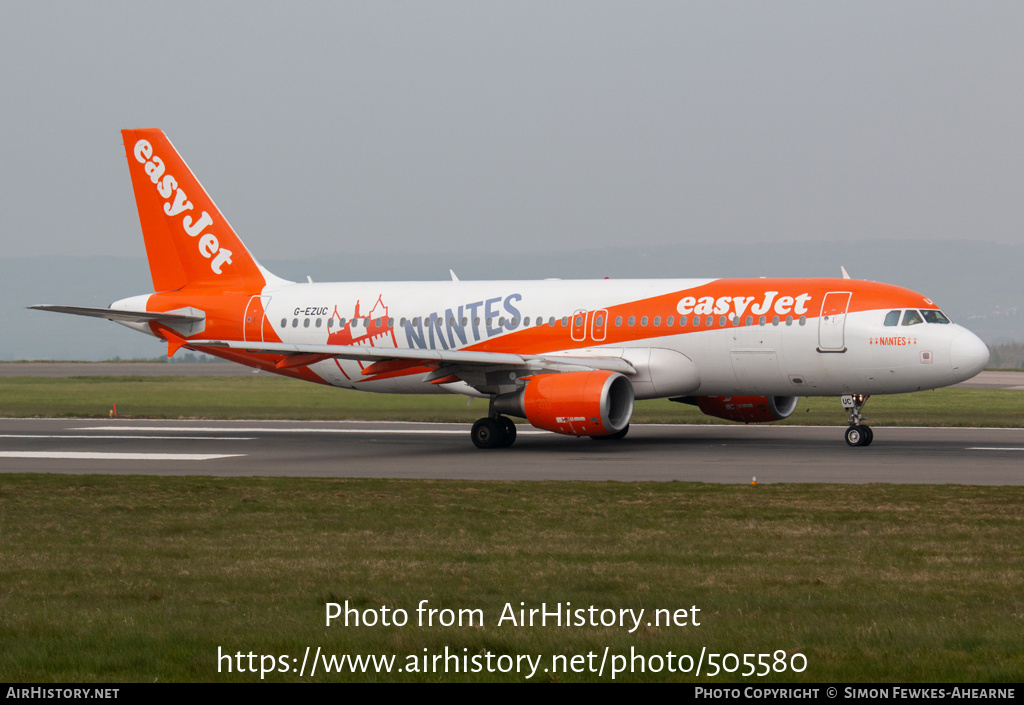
(702, 453)
(123, 369)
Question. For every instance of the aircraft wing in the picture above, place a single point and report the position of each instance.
(120, 315)
(308, 354)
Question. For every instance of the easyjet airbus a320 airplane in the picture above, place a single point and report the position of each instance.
(568, 356)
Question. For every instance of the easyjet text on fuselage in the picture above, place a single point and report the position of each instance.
(739, 305)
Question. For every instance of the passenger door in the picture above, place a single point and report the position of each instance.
(832, 322)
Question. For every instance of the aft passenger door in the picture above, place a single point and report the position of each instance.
(832, 322)
(254, 316)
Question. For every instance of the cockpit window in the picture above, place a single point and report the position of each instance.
(934, 316)
(912, 318)
(892, 318)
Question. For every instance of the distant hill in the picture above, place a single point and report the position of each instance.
(976, 284)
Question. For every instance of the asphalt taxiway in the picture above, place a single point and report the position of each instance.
(704, 453)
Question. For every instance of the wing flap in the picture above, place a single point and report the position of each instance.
(469, 358)
(359, 352)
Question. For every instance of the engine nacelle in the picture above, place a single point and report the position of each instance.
(593, 403)
(748, 409)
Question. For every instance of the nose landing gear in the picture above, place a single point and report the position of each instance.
(857, 434)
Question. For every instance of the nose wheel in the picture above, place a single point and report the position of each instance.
(857, 434)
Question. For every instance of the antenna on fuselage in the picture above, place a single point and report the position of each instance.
(843, 270)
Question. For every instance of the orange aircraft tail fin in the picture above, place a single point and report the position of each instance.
(189, 242)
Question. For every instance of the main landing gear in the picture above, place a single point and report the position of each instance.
(493, 432)
(857, 434)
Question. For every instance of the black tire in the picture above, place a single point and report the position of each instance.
(613, 436)
(869, 435)
(508, 431)
(857, 436)
(487, 433)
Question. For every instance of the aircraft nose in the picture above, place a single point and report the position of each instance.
(968, 355)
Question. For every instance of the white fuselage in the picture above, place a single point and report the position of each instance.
(756, 352)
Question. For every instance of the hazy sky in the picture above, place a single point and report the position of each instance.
(334, 127)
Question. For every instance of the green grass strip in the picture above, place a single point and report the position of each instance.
(143, 578)
(272, 397)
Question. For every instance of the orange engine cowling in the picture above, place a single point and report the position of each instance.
(748, 409)
(593, 403)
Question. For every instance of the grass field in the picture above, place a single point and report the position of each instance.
(265, 396)
(144, 578)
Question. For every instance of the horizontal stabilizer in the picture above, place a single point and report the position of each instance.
(119, 315)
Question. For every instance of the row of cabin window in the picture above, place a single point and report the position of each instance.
(564, 321)
(709, 321)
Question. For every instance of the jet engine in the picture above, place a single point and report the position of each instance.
(592, 403)
(747, 409)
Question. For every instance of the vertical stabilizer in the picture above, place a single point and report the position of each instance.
(189, 242)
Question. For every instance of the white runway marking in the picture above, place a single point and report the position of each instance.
(375, 431)
(132, 438)
(995, 449)
(56, 455)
